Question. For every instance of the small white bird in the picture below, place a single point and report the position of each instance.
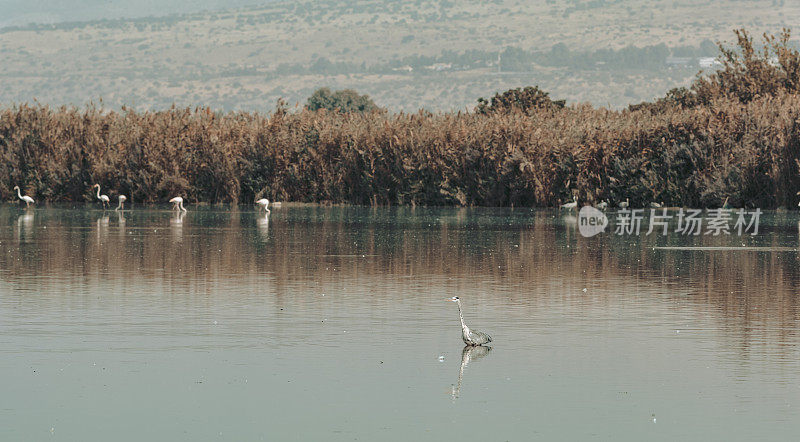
(28, 200)
(103, 198)
(121, 205)
(264, 203)
(572, 205)
(602, 205)
(624, 204)
(177, 203)
(655, 205)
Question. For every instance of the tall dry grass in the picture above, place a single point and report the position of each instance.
(691, 157)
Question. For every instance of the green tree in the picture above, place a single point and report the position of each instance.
(344, 100)
(529, 98)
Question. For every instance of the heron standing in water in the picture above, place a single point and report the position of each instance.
(121, 205)
(470, 337)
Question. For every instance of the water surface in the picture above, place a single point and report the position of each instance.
(330, 323)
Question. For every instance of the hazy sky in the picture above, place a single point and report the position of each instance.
(21, 12)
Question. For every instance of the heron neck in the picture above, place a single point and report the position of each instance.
(19, 194)
(98, 192)
(181, 204)
(461, 316)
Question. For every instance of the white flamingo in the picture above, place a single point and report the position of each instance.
(624, 204)
(103, 198)
(28, 200)
(571, 205)
(121, 205)
(264, 203)
(177, 203)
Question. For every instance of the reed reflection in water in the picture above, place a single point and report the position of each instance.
(171, 325)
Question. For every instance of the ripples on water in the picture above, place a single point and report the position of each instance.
(331, 323)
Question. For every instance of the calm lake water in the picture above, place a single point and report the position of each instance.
(331, 324)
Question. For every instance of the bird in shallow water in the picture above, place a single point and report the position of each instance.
(177, 204)
(470, 337)
(28, 200)
(264, 204)
(103, 198)
(571, 205)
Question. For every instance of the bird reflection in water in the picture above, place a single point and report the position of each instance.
(25, 225)
(176, 224)
(468, 354)
(102, 225)
(121, 222)
(263, 226)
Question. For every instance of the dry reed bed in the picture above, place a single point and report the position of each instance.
(688, 157)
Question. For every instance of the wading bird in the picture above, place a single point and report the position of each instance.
(177, 203)
(572, 205)
(264, 203)
(121, 205)
(602, 205)
(655, 205)
(28, 200)
(470, 337)
(624, 204)
(103, 198)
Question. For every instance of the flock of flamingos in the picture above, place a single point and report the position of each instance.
(177, 202)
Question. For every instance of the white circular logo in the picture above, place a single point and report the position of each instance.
(591, 221)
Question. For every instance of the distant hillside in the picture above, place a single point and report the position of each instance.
(440, 55)
(24, 12)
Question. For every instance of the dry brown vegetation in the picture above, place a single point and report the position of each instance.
(689, 155)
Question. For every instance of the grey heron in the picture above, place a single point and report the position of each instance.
(470, 337)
